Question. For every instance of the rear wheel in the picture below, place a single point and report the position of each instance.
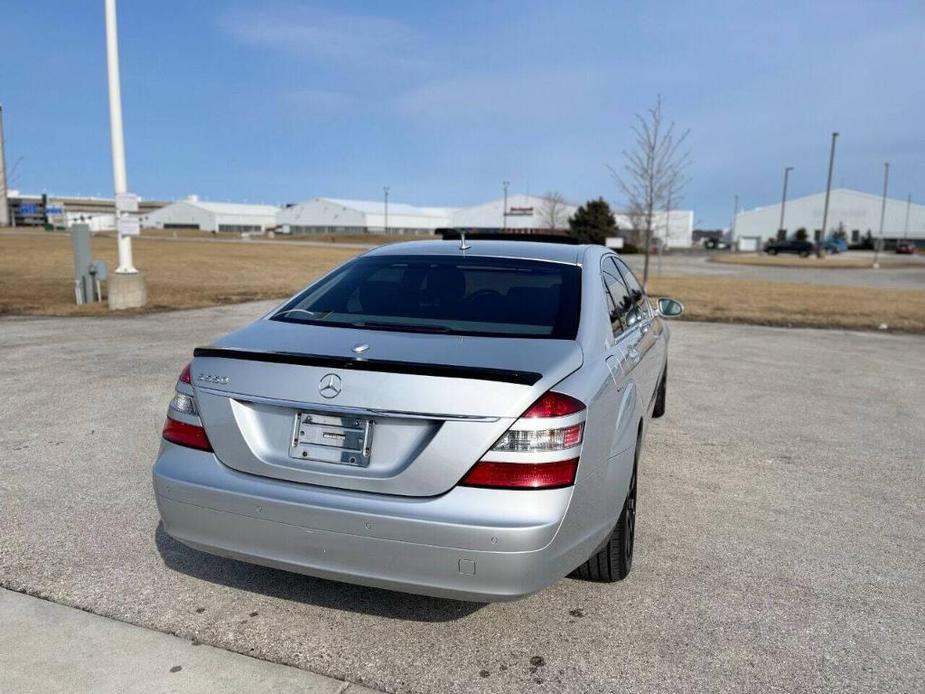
(658, 409)
(772, 251)
(614, 561)
(804, 254)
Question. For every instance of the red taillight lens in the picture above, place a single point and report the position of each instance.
(554, 405)
(185, 376)
(188, 435)
(522, 475)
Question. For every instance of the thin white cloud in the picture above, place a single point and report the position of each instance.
(359, 40)
(534, 95)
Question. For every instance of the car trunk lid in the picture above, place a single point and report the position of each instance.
(376, 411)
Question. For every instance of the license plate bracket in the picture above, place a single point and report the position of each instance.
(331, 438)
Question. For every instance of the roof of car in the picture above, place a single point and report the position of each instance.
(532, 250)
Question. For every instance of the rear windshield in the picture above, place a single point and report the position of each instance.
(506, 297)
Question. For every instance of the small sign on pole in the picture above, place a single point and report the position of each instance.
(614, 242)
(126, 202)
(128, 225)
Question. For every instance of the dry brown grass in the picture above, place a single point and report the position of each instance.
(830, 262)
(36, 278)
(794, 304)
(366, 239)
(36, 272)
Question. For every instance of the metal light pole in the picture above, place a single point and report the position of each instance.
(886, 182)
(820, 249)
(735, 213)
(385, 189)
(120, 183)
(908, 208)
(504, 184)
(4, 201)
(783, 198)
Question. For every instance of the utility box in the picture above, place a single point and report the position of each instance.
(84, 283)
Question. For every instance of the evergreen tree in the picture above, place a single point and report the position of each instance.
(593, 222)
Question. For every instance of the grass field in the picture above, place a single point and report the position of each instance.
(368, 239)
(36, 278)
(36, 272)
(734, 300)
(831, 262)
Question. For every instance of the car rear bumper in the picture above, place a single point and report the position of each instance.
(468, 544)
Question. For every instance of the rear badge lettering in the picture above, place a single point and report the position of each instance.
(214, 378)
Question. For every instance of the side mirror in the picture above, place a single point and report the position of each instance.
(670, 308)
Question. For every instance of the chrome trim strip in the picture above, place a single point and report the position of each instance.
(544, 423)
(335, 409)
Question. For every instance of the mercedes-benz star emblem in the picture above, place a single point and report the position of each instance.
(330, 386)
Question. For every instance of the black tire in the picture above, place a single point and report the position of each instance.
(804, 254)
(614, 560)
(772, 251)
(658, 410)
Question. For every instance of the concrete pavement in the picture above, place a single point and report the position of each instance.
(47, 648)
(781, 528)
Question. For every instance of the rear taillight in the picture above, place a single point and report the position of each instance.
(522, 475)
(539, 451)
(554, 405)
(183, 426)
(184, 434)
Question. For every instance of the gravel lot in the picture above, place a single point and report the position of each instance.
(781, 538)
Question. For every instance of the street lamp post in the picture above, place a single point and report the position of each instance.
(783, 198)
(126, 286)
(385, 190)
(119, 178)
(820, 248)
(504, 184)
(886, 182)
(908, 208)
(735, 215)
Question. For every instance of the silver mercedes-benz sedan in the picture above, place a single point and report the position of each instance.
(440, 417)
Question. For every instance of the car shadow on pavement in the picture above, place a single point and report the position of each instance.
(306, 589)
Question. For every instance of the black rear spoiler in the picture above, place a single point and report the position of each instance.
(544, 236)
(526, 378)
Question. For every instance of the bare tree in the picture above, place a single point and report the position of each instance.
(654, 173)
(554, 211)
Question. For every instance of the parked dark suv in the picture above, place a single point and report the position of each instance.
(801, 248)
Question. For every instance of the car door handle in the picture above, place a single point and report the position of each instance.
(634, 355)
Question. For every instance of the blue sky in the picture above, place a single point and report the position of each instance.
(282, 101)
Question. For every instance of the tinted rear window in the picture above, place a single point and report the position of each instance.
(461, 296)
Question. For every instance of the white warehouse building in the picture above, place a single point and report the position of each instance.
(851, 211)
(193, 213)
(523, 213)
(335, 215)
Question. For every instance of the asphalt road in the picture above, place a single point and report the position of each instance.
(781, 537)
(910, 276)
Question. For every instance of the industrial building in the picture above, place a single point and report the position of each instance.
(334, 215)
(193, 213)
(323, 215)
(522, 213)
(63, 210)
(855, 213)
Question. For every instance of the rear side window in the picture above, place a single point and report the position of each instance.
(638, 308)
(506, 297)
(616, 295)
